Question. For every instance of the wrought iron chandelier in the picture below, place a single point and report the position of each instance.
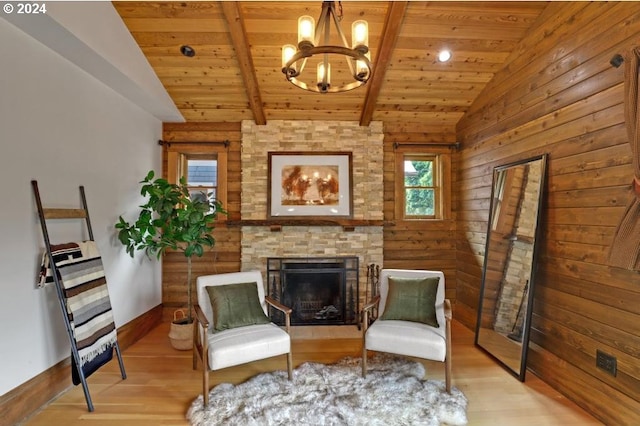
(357, 57)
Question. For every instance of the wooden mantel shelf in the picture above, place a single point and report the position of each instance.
(348, 225)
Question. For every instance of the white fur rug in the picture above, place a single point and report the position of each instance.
(393, 393)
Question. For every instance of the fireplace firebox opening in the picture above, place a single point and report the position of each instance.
(320, 290)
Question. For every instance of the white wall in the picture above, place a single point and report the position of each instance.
(64, 128)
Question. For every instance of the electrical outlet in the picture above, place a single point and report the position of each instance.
(606, 362)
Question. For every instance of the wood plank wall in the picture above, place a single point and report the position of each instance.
(423, 244)
(225, 255)
(559, 95)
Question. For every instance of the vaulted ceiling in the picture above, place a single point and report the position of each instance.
(236, 72)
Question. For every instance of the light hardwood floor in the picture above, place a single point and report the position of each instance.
(161, 385)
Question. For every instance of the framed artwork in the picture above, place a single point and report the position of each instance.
(309, 185)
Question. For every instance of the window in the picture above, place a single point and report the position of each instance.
(204, 168)
(422, 185)
(201, 174)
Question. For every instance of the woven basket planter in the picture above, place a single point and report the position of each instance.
(181, 331)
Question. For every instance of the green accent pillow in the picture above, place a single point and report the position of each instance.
(412, 299)
(236, 305)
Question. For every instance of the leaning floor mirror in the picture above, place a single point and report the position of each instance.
(506, 294)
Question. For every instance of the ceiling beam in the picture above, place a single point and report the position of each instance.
(388, 38)
(235, 20)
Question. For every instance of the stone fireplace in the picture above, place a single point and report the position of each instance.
(308, 240)
(320, 290)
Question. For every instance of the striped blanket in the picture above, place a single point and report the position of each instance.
(87, 301)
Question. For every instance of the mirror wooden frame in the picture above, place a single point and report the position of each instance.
(513, 235)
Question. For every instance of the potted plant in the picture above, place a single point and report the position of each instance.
(171, 219)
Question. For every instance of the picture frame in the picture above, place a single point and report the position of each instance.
(306, 185)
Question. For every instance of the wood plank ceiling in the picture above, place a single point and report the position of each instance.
(236, 72)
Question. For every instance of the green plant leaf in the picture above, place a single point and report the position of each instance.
(169, 220)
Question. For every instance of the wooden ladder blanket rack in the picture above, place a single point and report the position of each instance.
(76, 269)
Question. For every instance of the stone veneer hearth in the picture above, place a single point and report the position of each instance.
(365, 144)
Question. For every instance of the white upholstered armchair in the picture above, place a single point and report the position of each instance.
(413, 318)
(232, 326)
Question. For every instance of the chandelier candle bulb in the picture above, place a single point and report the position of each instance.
(360, 35)
(324, 77)
(306, 26)
(362, 70)
(288, 50)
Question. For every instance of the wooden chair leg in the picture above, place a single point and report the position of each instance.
(290, 365)
(195, 358)
(205, 386)
(364, 360)
(447, 360)
(447, 374)
(195, 349)
(204, 360)
(365, 327)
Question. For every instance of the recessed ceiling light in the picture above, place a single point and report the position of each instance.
(444, 55)
(187, 51)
